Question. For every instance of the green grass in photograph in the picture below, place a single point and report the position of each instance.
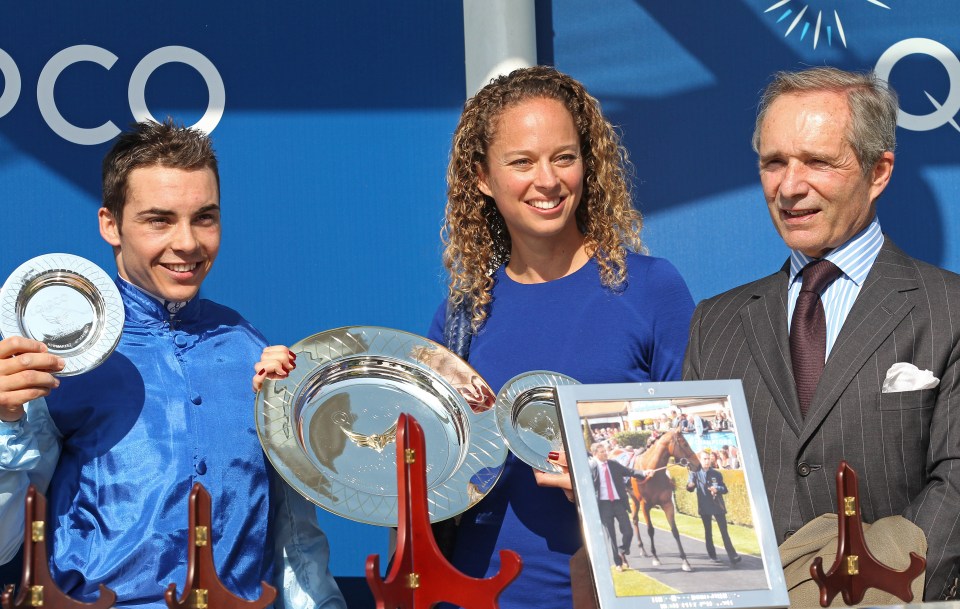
(635, 583)
(744, 539)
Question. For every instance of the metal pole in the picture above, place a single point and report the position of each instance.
(498, 36)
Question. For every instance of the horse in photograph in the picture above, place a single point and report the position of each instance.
(657, 490)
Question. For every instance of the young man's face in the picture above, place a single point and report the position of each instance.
(170, 231)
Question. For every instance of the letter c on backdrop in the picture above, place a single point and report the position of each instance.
(48, 105)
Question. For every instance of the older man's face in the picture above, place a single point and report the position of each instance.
(816, 191)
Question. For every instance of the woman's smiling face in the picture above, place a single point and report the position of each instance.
(534, 171)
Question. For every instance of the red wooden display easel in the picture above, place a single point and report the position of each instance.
(37, 587)
(204, 588)
(420, 576)
(855, 569)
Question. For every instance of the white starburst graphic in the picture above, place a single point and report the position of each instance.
(802, 17)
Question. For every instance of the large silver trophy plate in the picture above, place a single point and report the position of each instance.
(67, 303)
(329, 427)
(527, 417)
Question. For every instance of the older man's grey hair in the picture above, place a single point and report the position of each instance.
(872, 102)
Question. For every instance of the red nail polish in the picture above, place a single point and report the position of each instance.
(553, 455)
(262, 372)
(292, 355)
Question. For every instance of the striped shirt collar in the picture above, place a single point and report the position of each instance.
(854, 258)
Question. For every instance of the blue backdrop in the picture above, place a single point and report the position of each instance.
(337, 124)
(682, 79)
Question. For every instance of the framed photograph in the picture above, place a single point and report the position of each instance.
(671, 497)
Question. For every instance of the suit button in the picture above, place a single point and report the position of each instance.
(803, 469)
(787, 534)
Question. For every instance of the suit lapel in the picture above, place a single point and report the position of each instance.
(882, 304)
(764, 323)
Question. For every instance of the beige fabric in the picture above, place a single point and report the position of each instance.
(890, 540)
(581, 580)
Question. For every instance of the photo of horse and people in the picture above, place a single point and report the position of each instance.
(672, 496)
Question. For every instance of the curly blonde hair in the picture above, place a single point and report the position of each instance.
(475, 237)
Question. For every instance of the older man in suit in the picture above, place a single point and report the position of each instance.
(609, 482)
(815, 343)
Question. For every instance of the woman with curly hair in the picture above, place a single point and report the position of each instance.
(542, 244)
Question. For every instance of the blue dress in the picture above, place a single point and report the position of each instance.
(574, 326)
(121, 447)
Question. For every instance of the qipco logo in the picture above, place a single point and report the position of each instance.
(942, 112)
(135, 90)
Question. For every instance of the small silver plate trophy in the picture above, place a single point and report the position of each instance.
(69, 304)
(527, 417)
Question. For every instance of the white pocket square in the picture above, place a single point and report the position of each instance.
(907, 377)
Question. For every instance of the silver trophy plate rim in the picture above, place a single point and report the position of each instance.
(523, 390)
(353, 358)
(98, 329)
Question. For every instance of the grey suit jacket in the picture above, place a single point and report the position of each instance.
(905, 447)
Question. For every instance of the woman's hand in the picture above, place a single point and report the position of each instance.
(563, 480)
(276, 362)
(478, 396)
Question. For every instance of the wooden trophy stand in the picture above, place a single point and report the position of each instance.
(204, 588)
(855, 568)
(37, 588)
(420, 576)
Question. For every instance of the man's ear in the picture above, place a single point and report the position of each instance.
(109, 227)
(880, 176)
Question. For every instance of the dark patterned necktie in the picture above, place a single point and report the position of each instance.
(808, 330)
